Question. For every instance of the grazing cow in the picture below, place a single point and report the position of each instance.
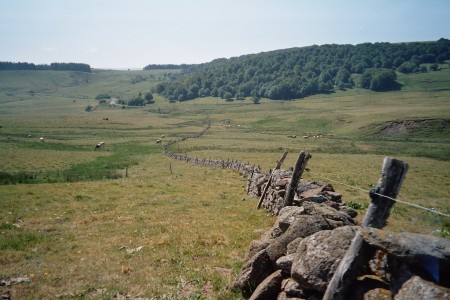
(158, 141)
(41, 139)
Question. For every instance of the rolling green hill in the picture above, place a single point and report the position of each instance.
(301, 72)
(69, 212)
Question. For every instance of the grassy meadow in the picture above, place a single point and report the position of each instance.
(124, 219)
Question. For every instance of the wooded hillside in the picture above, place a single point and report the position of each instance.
(52, 67)
(301, 72)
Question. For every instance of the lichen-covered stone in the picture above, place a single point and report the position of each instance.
(318, 256)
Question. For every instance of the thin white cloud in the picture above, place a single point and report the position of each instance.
(91, 50)
(47, 49)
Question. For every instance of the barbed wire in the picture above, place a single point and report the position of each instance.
(333, 180)
(387, 197)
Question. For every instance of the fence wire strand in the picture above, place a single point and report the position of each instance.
(166, 150)
(387, 197)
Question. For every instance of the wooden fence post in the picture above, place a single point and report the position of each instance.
(392, 175)
(296, 175)
(279, 162)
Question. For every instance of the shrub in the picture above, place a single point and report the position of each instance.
(357, 205)
(136, 101)
(102, 96)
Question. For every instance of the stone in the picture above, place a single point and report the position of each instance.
(326, 211)
(318, 256)
(315, 191)
(428, 253)
(283, 296)
(281, 183)
(333, 204)
(333, 196)
(269, 288)
(315, 198)
(379, 266)
(290, 214)
(369, 288)
(304, 226)
(349, 211)
(258, 245)
(253, 273)
(292, 246)
(418, 288)
(378, 294)
(293, 289)
(284, 263)
(305, 185)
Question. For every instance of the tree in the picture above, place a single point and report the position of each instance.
(379, 79)
(102, 96)
(227, 96)
(300, 72)
(256, 99)
(343, 78)
(434, 67)
(149, 98)
(440, 58)
(136, 101)
(407, 67)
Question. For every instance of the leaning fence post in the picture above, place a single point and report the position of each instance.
(300, 165)
(279, 162)
(392, 175)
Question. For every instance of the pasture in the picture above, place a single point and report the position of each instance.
(69, 228)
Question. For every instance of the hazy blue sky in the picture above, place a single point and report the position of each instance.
(134, 33)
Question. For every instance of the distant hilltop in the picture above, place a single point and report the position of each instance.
(52, 67)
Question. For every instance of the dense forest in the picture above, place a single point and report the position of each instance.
(300, 72)
(52, 67)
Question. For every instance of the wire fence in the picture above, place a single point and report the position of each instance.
(202, 161)
(431, 210)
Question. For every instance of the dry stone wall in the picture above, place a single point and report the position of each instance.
(298, 256)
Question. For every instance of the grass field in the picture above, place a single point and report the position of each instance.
(70, 230)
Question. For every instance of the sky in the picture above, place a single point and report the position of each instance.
(134, 33)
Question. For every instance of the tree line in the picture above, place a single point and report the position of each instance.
(300, 72)
(52, 67)
(166, 67)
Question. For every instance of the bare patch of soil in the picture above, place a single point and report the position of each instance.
(414, 126)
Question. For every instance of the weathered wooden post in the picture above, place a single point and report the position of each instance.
(392, 175)
(269, 181)
(300, 165)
